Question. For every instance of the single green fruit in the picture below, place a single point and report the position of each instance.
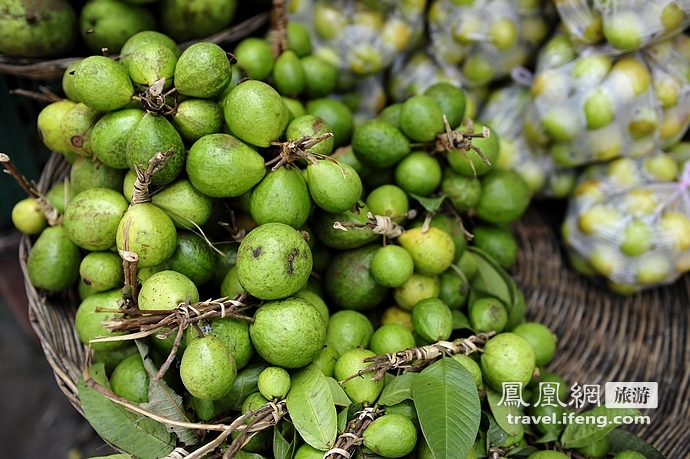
(76, 127)
(389, 201)
(207, 369)
(53, 263)
(202, 71)
(48, 122)
(320, 77)
(147, 37)
(378, 144)
(220, 165)
(130, 380)
(322, 224)
(154, 134)
(256, 113)
(463, 192)
(326, 359)
(308, 452)
(391, 266)
(274, 383)
(462, 161)
(102, 271)
(348, 281)
(315, 300)
(391, 338)
(68, 81)
(233, 333)
(150, 234)
(288, 74)
(454, 289)
(273, 261)
(507, 357)
(151, 63)
(165, 290)
(541, 338)
(288, 333)
(488, 314)
(312, 126)
(196, 118)
(110, 23)
(499, 243)
(417, 288)
(348, 330)
(418, 173)
(391, 435)
(89, 323)
(28, 218)
(473, 367)
(110, 135)
(360, 389)
(254, 58)
(187, 20)
(299, 39)
(505, 197)
(92, 218)
(193, 257)
(187, 207)
(451, 99)
(102, 84)
(333, 187)
(337, 115)
(86, 173)
(231, 287)
(432, 320)
(421, 118)
(432, 251)
(60, 194)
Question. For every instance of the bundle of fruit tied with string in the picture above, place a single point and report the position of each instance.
(622, 25)
(361, 37)
(629, 221)
(593, 107)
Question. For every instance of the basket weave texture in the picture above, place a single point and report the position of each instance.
(602, 337)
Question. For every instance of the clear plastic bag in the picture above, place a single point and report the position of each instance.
(630, 224)
(487, 38)
(504, 112)
(623, 25)
(362, 37)
(413, 74)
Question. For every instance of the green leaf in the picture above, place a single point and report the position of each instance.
(163, 401)
(489, 280)
(283, 449)
(342, 421)
(340, 398)
(548, 437)
(246, 383)
(311, 408)
(579, 435)
(521, 451)
(621, 440)
(429, 204)
(397, 390)
(501, 412)
(137, 434)
(447, 403)
(496, 436)
(460, 320)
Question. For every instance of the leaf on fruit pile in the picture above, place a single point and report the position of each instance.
(522, 451)
(429, 204)
(579, 435)
(449, 424)
(397, 390)
(621, 440)
(247, 382)
(283, 449)
(495, 436)
(340, 398)
(141, 436)
(550, 436)
(163, 401)
(489, 280)
(311, 408)
(501, 412)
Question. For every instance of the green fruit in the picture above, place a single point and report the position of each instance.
(150, 234)
(359, 389)
(391, 435)
(473, 367)
(233, 333)
(193, 257)
(599, 110)
(186, 20)
(391, 266)
(53, 263)
(196, 118)
(92, 218)
(432, 251)
(102, 271)
(231, 287)
(220, 165)
(421, 118)
(463, 192)
(547, 455)
(326, 359)
(333, 187)
(451, 99)
(320, 77)
(499, 243)
(629, 454)
(378, 144)
(507, 357)
(505, 197)
(202, 71)
(28, 218)
(462, 161)
(541, 338)
(288, 333)
(274, 383)
(348, 281)
(288, 74)
(110, 23)
(87, 173)
(150, 63)
(112, 358)
(76, 127)
(432, 320)
(256, 113)
(165, 290)
(130, 380)
(623, 30)
(418, 173)
(478, 70)
(145, 38)
(322, 224)
(348, 330)
(37, 28)
(337, 115)
(59, 194)
(299, 39)
(389, 201)
(315, 300)
(308, 452)
(254, 58)
(295, 108)
(454, 289)
(110, 135)
(68, 81)
(312, 126)
(391, 115)
(417, 288)
(154, 134)
(281, 197)
(273, 261)
(186, 206)
(391, 338)
(89, 323)
(48, 122)
(207, 369)
(488, 314)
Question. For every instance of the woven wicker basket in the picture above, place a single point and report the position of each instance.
(41, 69)
(602, 337)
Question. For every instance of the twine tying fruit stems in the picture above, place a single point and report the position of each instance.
(352, 436)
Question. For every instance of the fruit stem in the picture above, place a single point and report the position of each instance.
(352, 436)
(279, 41)
(46, 95)
(293, 150)
(130, 261)
(143, 181)
(261, 419)
(462, 141)
(379, 224)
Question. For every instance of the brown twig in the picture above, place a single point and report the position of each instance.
(236, 233)
(46, 95)
(292, 150)
(130, 261)
(279, 39)
(415, 359)
(261, 419)
(461, 141)
(379, 224)
(143, 181)
(352, 436)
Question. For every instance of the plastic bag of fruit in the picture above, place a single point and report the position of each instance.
(360, 36)
(486, 38)
(504, 112)
(629, 221)
(623, 25)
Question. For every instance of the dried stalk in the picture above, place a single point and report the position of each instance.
(130, 261)
(236, 233)
(46, 95)
(262, 418)
(279, 41)
(143, 181)
(379, 224)
(462, 141)
(419, 357)
(352, 436)
(292, 150)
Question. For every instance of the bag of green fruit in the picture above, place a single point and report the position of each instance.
(504, 113)
(361, 37)
(623, 25)
(629, 221)
(486, 38)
